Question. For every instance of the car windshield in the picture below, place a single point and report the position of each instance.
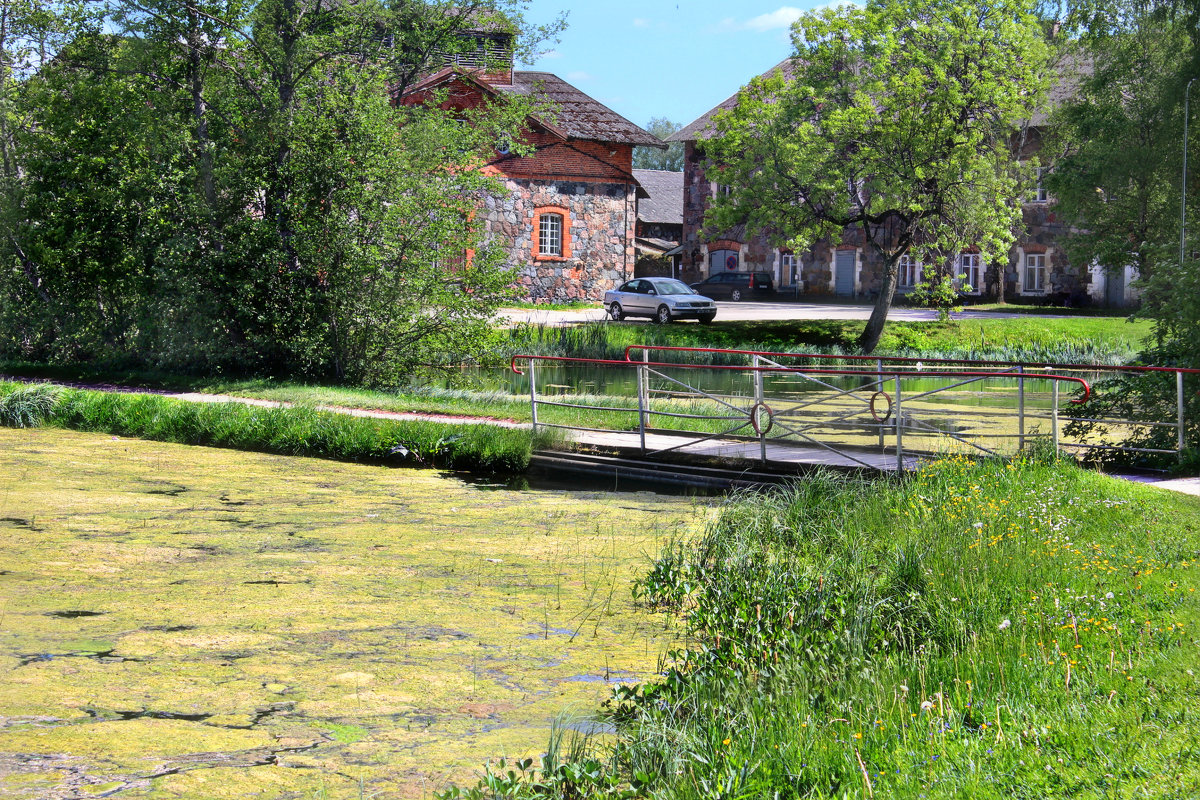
(672, 287)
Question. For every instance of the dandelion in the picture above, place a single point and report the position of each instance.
(926, 705)
(1005, 625)
(726, 742)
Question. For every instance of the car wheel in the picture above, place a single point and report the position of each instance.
(735, 295)
(616, 312)
(706, 319)
(663, 317)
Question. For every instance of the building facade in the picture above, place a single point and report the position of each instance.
(1036, 267)
(568, 218)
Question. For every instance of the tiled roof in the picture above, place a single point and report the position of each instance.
(664, 205)
(578, 115)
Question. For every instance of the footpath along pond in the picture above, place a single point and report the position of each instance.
(191, 622)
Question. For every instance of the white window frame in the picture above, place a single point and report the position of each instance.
(789, 269)
(550, 234)
(1039, 193)
(1037, 267)
(908, 267)
(963, 268)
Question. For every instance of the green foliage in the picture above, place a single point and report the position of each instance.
(289, 431)
(231, 187)
(975, 630)
(942, 292)
(895, 119)
(28, 406)
(670, 159)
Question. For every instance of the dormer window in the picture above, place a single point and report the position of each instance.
(477, 50)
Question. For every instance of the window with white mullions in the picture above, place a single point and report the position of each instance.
(968, 273)
(910, 272)
(550, 235)
(789, 268)
(1035, 272)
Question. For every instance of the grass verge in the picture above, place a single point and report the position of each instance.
(1006, 630)
(287, 431)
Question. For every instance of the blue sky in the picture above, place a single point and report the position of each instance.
(665, 58)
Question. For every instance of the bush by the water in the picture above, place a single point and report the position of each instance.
(295, 431)
(998, 630)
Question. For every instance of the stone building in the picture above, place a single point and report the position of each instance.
(1037, 266)
(659, 222)
(569, 217)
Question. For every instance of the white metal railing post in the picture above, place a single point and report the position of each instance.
(642, 379)
(1020, 409)
(899, 429)
(533, 393)
(1181, 440)
(1054, 418)
(879, 388)
(758, 401)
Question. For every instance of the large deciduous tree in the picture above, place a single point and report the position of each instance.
(895, 118)
(228, 184)
(670, 159)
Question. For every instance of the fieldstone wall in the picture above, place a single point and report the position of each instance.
(1067, 282)
(600, 230)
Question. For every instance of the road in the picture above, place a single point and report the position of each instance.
(750, 311)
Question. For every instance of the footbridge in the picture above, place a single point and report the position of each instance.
(772, 412)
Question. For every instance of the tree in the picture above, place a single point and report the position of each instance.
(274, 210)
(896, 120)
(670, 159)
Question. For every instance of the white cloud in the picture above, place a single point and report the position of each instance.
(641, 22)
(779, 18)
(579, 76)
(551, 54)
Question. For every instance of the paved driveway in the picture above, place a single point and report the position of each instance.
(749, 311)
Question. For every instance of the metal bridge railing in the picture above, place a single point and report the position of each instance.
(1025, 371)
(849, 411)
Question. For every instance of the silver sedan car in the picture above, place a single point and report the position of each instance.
(660, 299)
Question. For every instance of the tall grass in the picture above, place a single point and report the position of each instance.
(296, 431)
(989, 630)
(1086, 341)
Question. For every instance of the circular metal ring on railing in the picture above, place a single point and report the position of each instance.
(758, 428)
(875, 414)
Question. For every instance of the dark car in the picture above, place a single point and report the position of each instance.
(736, 285)
(661, 299)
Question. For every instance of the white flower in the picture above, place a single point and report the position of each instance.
(1108, 596)
(1005, 624)
(977, 525)
(925, 706)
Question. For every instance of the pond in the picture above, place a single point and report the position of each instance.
(241, 624)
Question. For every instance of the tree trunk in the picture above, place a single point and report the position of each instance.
(870, 335)
(994, 282)
(195, 69)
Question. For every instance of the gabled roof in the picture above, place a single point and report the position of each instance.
(703, 127)
(575, 114)
(581, 116)
(664, 205)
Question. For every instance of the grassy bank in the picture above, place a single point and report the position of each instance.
(1090, 340)
(288, 431)
(1002, 630)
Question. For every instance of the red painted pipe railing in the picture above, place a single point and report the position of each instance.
(1087, 389)
(910, 359)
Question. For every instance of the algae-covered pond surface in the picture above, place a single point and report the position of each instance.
(188, 622)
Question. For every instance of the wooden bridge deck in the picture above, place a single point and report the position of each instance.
(779, 454)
